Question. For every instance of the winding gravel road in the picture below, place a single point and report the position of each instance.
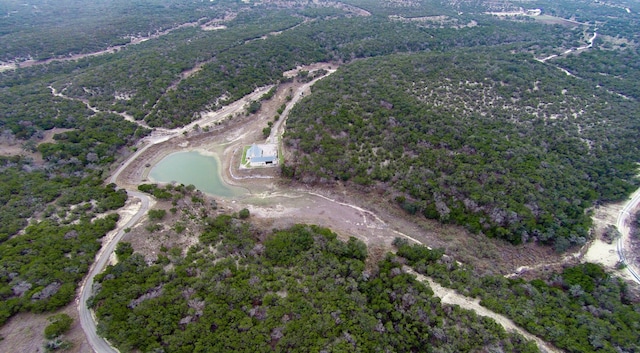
(623, 224)
(87, 321)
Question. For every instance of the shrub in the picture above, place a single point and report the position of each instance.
(244, 213)
(59, 324)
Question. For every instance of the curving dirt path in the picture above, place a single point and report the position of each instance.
(449, 296)
(125, 116)
(278, 126)
(6, 66)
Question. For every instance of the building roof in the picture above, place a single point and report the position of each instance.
(254, 151)
(257, 151)
(263, 159)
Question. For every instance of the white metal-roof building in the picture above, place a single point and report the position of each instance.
(262, 155)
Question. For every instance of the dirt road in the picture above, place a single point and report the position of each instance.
(623, 224)
(5, 66)
(449, 296)
(87, 320)
(278, 127)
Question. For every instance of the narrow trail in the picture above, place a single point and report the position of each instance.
(569, 51)
(450, 296)
(6, 66)
(125, 116)
(278, 127)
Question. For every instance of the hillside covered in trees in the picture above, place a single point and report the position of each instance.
(581, 309)
(301, 289)
(497, 142)
(447, 110)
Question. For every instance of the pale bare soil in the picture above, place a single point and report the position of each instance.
(149, 243)
(25, 332)
(10, 146)
(8, 149)
(599, 250)
(633, 255)
(6, 66)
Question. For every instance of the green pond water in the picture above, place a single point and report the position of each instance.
(193, 168)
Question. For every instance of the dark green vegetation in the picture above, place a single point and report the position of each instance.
(187, 216)
(59, 196)
(487, 138)
(614, 70)
(583, 309)
(300, 290)
(59, 324)
(48, 232)
(497, 142)
(40, 269)
(617, 22)
(103, 24)
(235, 61)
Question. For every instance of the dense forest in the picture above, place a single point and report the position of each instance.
(104, 24)
(499, 143)
(247, 54)
(296, 289)
(302, 288)
(582, 309)
(438, 104)
(48, 214)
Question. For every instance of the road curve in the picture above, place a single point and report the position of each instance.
(87, 322)
(623, 225)
(277, 131)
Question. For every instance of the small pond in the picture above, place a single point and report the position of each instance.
(193, 168)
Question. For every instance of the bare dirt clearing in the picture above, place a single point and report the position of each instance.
(600, 251)
(26, 331)
(11, 146)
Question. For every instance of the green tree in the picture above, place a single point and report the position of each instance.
(58, 325)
